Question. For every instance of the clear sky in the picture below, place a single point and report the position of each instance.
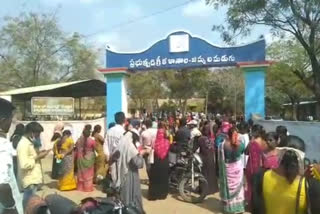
(104, 22)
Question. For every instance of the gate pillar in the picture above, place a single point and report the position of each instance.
(116, 92)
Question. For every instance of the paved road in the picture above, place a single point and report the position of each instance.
(171, 205)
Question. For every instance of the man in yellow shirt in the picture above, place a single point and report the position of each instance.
(29, 166)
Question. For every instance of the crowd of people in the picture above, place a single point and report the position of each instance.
(255, 171)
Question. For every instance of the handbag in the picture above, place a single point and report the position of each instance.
(60, 169)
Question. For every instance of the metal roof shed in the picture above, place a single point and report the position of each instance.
(76, 89)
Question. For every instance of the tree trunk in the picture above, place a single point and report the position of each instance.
(206, 103)
(318, 110)
(294, 110)
(185, 106)
(180, 105)
(157, 104)
(140, 106)
(235, 104)
(317, 95)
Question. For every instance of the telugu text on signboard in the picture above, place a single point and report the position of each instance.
(52, 106)
(181, 50)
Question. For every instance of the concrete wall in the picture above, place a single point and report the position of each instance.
(308, 131)
(76, 129)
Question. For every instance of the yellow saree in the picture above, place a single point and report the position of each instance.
(100, 163)
(67, 180)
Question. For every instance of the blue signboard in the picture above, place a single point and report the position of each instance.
(181, 50)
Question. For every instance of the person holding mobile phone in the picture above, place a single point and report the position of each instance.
(29, 157)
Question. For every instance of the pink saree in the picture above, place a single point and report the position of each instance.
(85, 157)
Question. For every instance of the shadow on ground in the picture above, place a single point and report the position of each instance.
(144, 193)
(51, 185)
(211, 204)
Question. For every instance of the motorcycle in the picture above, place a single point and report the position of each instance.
(185, 176)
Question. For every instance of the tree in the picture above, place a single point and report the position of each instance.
(178, 85)
(281, 75)
(137, 88)
(227, 87)
(299, 18)
(181, 85)
(274, 101)
(281, 78)
(184, 84)
(158, 87)
(146, 86)
(34, 51)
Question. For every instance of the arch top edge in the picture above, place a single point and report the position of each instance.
(263, 64)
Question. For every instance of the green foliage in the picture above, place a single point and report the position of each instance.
(224, 87)
(299, 18)
(177, 85)
(145, 86)
(227, 90)
(282, 78)
(288, 56)
(34, 51)
(169, 106)
(183, 84)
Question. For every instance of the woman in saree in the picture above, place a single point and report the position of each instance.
(231, 178)
(206, 145)
(100, 163)
(85, 158)
(64, 154)
(57, 134)
(270, 159)
(255, 150)
(286, 189)
(159, 171)
(128, 165)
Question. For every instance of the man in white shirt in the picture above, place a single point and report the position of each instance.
(113, 138)
(244, 138)
(10, 197)
(147, 139)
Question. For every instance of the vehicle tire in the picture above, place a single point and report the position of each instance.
(201, 189)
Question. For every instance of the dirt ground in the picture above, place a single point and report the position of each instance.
(172, 205)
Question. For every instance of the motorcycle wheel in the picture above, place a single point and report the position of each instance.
(196, 195)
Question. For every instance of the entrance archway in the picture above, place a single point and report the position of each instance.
(181, 50)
